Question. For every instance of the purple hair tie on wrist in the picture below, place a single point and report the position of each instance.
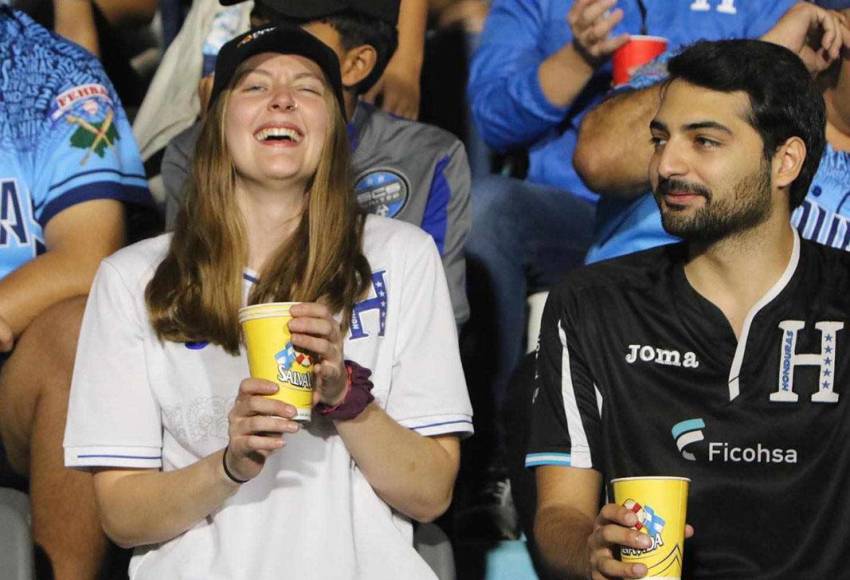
(357, 397)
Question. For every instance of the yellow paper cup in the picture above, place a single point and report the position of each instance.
(660, 504)
(271, 355)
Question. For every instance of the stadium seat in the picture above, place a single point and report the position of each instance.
(535, 303)
(434, 546)
(16, 548)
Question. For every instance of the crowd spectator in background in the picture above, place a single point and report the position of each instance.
(539, 68)
(104, 28)
(613, 149)
(824, 215)
(173, 101)
(398, 91)
(172, 13)
(468, 14)
(77, 20)
(68, 166)
(699, 343)
(403, 169)
(202, 483)
(177, 94)
(454, 28)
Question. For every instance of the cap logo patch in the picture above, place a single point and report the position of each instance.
(254, 35)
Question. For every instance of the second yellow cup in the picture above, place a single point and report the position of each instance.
(272, 356)
(660, 504)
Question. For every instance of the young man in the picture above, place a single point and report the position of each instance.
(405, 170)
(733, 338)
(540, 66)
(613, 147)
(68, 165)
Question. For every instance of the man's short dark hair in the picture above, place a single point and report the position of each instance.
(355, 29)
(784, 100)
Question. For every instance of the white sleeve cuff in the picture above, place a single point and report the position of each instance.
(132, 457)
(433, 425)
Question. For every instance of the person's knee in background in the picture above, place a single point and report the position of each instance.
(34, 387)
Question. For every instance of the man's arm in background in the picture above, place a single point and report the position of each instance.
(77, 239)
(398, 88)
(613, 151)
(75, 20)
(515, 93)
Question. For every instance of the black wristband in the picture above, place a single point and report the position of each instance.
(229, 475)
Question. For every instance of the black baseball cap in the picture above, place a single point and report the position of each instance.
(386, 10)
(283, 39)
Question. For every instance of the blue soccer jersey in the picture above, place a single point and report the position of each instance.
(64, 137)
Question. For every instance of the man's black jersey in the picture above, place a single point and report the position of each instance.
(638, 374)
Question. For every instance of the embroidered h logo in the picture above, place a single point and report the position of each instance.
(789, 360)
(379, 303)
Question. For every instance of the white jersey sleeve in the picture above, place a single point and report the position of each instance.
(428, 392)
(113, 418)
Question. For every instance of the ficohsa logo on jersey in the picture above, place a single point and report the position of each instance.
(690, 433)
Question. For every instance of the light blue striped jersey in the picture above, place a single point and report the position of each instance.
(64, 137)
(824, 215)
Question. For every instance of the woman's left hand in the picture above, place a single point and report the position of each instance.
(315, 331)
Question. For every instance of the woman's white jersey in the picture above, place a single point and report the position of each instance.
(138, 402)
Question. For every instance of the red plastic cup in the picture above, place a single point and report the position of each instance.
(638, 51)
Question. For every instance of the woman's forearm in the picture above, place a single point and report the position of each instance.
(147, 507)
(412, 473)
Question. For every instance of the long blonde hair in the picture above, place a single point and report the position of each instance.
(196, 291)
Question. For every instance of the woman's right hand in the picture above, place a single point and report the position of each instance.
(257, 425)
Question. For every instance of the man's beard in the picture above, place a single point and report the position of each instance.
(747, 207)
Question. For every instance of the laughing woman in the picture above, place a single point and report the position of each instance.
(198, 471)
